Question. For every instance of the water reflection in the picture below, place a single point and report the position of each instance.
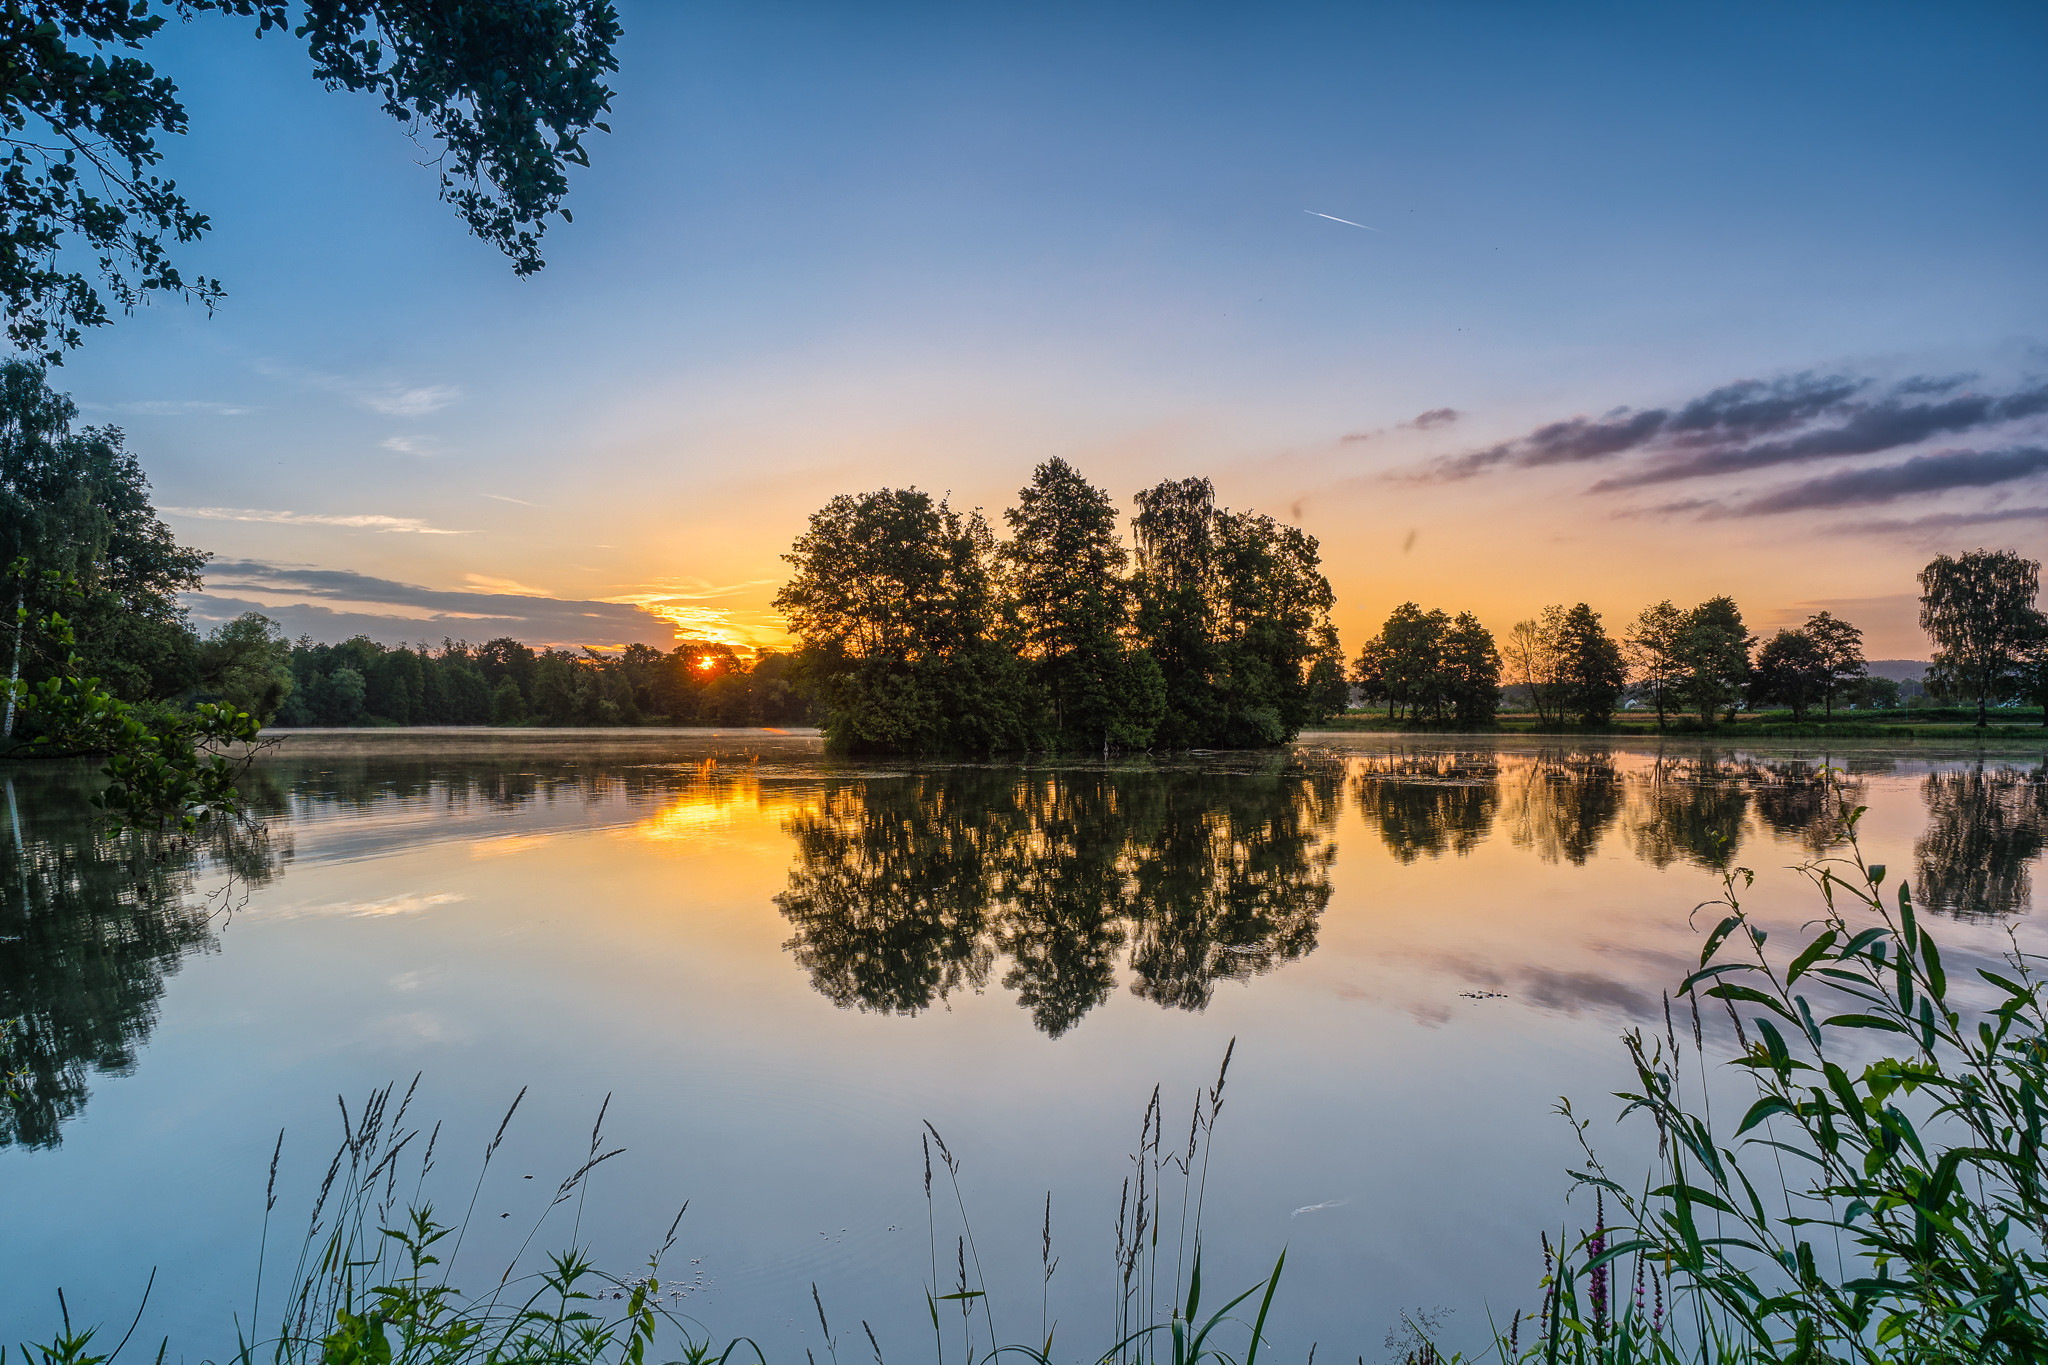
(91, 927)
(1984, 827)
(905, 890)
(1061, 886)
(1563, 806)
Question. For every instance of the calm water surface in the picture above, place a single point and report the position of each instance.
(779, 966)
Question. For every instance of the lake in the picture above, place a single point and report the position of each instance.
(778, 967)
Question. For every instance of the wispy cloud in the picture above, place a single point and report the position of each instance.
(1756, 424)
(500, 497)
(391, 397)
(180, 407)
(358, 521)
(1942, 521)
(395, 401)
(1921, 476)
(503, 585)
(333, 604)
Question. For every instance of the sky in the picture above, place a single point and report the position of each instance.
(1632, 303)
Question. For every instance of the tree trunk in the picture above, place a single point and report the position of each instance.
(14, 671)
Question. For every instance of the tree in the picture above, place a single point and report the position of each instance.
(1791, 670)
(508, 89)
(1839, 647)
(1411, 667)
(1713, 653)
(75, 507)
(247, 663)
(1651, 646)
(894, 598)
(1978, 608)
(1590, 671)
(1175, 535)
(1369, 673)
(508, 707)
(1063, 567)
(1471, 671)
(1534, 657)
(1328, 686)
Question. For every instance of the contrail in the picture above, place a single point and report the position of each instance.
(1346, 221)
(1328, 1203)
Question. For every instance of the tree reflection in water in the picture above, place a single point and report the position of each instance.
(1984, 826)
(91, 925)
(905, 889)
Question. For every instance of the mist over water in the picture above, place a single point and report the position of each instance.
(778, 966)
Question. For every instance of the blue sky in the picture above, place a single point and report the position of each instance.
(830, 248)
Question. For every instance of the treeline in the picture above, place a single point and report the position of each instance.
(1565, 666)
(921, 632)
(503, 682)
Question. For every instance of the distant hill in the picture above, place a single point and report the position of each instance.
(1899, 670)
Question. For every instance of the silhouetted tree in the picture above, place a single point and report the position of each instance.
(1653, 646)
(1839, 647)
(1590, 670)
(1064, 570)
(1790, 671)
(1713, 651)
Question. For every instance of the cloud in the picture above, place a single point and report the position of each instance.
(504, 585)
(1435, 417)
(333, 604)
(1567, 442)
(1886, 425)
(184, 407)
(1756, 424)
(1942, 521)
(394, 401)
(1923, 475)
(393, 398)
(500, 497)
(362, 521)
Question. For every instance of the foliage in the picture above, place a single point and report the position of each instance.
(1063, 571)
(372, 1283)
(922, 635)
(1590, 672)
(1978, 608)
(1713, 653)
(1652, 645)
(1912, 1186)
(75, 506)
(508, 89)
(1432, 663)
(896, 600)
(503, 682)
(1535, 659)
(166, 772)
(1789, 671)
(1839, 646)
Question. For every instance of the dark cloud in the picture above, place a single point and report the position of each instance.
(1885, 425)
(1580, 438)
(1753, 407)
(1923, 475)
(1757, 424)
(429, 614)
(1435, 417)
(1942, 521)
